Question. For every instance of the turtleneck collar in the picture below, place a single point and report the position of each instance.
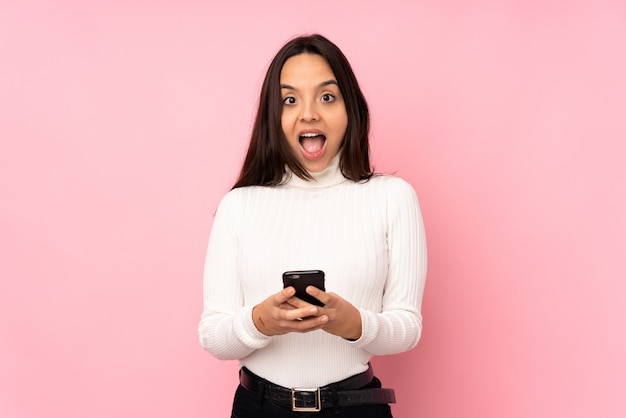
(330, 176)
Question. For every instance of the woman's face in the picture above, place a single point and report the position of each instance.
(314, 117)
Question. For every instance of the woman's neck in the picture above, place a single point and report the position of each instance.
(330, 176)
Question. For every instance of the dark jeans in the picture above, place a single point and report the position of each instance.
(247, 405)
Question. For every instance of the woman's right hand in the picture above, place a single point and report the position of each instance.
(274, 316)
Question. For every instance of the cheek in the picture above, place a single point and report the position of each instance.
(341, 120)
(287, 126)
(341, 125)
(286, 121)
(284, 124)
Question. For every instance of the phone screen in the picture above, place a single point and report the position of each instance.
(303, 278)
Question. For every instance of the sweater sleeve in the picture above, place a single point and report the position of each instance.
(226, 328)
(398, 327)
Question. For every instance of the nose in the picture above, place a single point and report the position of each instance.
(309, 112)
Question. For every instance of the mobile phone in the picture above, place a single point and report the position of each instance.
(303, 278)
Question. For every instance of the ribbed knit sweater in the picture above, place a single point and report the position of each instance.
(368, 237)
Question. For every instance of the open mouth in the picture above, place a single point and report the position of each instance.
(312, 142)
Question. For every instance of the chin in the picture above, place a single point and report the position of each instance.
(317, 166)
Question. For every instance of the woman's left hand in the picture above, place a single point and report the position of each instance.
(344, 320)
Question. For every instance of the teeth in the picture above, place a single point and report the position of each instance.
(309, 135)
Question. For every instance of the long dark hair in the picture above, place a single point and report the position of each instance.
(268, 151)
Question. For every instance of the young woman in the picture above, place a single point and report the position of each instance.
(306, 199)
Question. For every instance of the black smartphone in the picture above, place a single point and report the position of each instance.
(301, 279)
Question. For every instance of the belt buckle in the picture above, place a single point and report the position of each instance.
(299, 405)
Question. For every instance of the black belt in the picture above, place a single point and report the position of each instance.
(347, 392)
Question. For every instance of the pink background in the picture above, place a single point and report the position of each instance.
(123, 123)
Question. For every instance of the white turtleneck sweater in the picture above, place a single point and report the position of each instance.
(368, 238)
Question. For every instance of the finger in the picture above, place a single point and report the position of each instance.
(318, 294)
(287, 305)
(310, 324)
(296, 302)
(300, 313)
(284, 295)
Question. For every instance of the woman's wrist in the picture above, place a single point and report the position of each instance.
(356, 327)
(257, 320)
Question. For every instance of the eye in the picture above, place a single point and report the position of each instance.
(289, 100)
(328, 98)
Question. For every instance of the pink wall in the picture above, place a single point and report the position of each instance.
(123, 123)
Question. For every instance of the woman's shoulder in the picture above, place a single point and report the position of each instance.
(235, 202)
(397, 195)
(239, 193)
(388, 178)
(390, 184)
(247, 194)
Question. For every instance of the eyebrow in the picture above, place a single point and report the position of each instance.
(323, 84)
